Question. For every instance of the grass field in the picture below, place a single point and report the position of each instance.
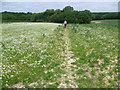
(45, 55)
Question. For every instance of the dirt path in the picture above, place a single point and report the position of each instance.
(68, 79)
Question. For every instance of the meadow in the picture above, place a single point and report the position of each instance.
(46, 55)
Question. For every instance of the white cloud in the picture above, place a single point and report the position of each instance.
(60, 0)
(42, 6)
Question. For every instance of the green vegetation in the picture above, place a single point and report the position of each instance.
(108, 15)
(50, 15)
(16, 17)
(96, 47)
(45, 55)
(28, 56)
(58, 16)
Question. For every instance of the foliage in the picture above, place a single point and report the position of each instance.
(14, 16)
(59, 16)
(50, 15)
(102, 16)
(68, 8)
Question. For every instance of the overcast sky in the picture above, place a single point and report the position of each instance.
(59, 0)
(36, 6)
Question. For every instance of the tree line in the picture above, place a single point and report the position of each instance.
(107, 15)
(16, 16)
(50, 15)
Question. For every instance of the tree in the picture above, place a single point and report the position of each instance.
(68, 8)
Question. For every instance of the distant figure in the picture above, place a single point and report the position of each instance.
(65, 24)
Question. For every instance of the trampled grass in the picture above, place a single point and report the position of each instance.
(35, 55)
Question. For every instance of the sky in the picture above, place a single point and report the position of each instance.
(60, 0)
(37, 6)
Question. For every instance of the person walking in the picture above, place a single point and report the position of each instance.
(65, 24)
